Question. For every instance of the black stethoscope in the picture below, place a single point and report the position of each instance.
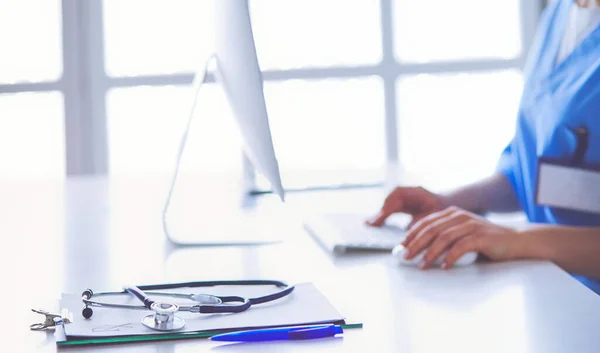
(164, 318)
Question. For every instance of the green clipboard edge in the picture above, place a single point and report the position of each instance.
(164, 337)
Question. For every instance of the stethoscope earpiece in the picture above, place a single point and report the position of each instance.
(87, 312)
(88, 293)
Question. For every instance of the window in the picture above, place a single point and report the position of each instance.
(456, 30)
(155, 37)
(348, 84)
(32, 135)
(31, 101)
(316, 34)
(30, 33)
(461, 135)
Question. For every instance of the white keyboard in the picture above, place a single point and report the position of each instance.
(343, 232)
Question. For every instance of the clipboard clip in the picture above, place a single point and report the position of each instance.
(582, 137)
(51, 319)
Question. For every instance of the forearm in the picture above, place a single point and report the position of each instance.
(493, 194)
(575, 249)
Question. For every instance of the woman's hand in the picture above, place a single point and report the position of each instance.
(458, 232)
(414, 201)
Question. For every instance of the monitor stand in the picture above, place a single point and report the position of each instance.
(233, 221)
(214, 210)
(237, 228)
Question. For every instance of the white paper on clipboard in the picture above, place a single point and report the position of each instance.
(305, 305)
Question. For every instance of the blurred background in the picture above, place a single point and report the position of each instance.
(92, 87)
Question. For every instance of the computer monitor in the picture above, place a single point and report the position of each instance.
(238, 73)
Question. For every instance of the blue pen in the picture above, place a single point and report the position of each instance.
(280, 334)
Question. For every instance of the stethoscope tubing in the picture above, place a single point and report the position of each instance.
(207, 308)
(98, 304)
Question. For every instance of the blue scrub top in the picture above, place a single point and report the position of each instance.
(557, 98)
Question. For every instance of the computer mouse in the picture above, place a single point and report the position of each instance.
(399, 251)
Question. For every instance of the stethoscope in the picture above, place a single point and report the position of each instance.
(164, 318)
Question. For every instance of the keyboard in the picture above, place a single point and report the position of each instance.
(345, 232)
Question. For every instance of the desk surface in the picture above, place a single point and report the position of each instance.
(64, 237)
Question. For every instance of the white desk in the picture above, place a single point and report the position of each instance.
(66, 237)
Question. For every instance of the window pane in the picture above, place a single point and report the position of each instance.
(315, 33)
(32, 142)
(156, 37)
(146, 123)
(30, 40)
(326, 126)
(455, 125)
(436, 30)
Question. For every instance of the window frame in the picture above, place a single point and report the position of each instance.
(85, 84)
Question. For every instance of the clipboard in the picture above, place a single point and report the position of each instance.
(62, 341)
(305, 306)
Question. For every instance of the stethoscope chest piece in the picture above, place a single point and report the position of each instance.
(163, 318)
